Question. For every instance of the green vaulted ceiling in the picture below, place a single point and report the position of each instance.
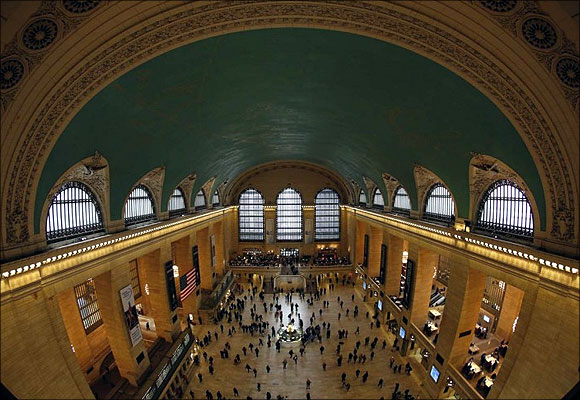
(350, 103)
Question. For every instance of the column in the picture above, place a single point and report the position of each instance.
(166, 320)
(218, 233)
(359, 243)
(510, 308)
(425, 261)
(375, 242)
(126, 355)
(394, 263)
(205, 268)
(464, 294)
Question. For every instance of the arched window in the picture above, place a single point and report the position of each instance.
(289, 215)
(251, 216)
(177, 203)
(362, 198)
(402, 203)
(215, 200)
(378, 200)
(199, 203)
(74, 211)
(327, 215)
(505, 209)
(439, 205)
(139, 206)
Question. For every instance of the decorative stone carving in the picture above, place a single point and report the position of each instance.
(186, 185)
(424, 179)
(80, 6)
(484, 170)
(207, 190)
(356, 191)
(391, 183)
(93, 172)
(568, 71)
(40, 34)
(154, 181)
(499, 6)
(11, 72)
(371, 186)
(539, 33)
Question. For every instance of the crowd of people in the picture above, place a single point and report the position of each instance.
(256, 259)
(257, 326)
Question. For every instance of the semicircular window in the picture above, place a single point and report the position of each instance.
(362, 198)
(378, 200)
(139, 206)
(289, 215)
(199, 202)
(402, 202)
(327, 215)
(439, 206)
(74, 211)
(505, 209)
(215, 199)
(177, 203)
(251, 216)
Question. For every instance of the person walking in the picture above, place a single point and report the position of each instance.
(284, 363)
(321, 350)
(343, 377)
(267, 369)
(308, 384)
(365, 376)
(200, 377)
(255, 371)
(236, 393)
(259, 386)
(380, 385)
(324, 366)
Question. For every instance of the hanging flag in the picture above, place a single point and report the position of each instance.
(187, 284)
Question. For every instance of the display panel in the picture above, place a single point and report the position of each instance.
(434, 373)
(402, 332)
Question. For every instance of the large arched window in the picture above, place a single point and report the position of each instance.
(215, 199)
(327, 215)
(289, 215)
(362, 198)
(177, 203)
(139, 206)
(199, 203)
(439, 205)
(74, 211)
(251, 216)
(402, 202)
(505, 209)
(378, 200)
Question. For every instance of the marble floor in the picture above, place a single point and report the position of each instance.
(291, 382)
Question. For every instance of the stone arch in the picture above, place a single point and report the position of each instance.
(530, 95)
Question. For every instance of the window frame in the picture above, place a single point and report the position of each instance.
(77, 289)
(316, 215)
(263, 232)
(179, 211)
(399, 210)
(213, 203)
(512, 232)
(202, 207)
(138, 219)
(439, 217)
(301, 216)
(72, 232)
(360, 203)
(375, 206)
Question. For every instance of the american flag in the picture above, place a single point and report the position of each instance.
(187, 284)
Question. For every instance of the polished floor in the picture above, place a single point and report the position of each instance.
(291, 382)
